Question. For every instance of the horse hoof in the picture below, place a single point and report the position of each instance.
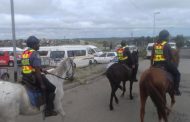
(131, 97)
(111, 108)
(117, 101)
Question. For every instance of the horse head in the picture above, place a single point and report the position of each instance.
(65, 69)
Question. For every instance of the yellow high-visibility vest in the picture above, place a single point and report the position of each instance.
(26, 66)
(120, 54)
(159, 51)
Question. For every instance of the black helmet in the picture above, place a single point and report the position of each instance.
(32, 41)
(123, 43)
(163, 35)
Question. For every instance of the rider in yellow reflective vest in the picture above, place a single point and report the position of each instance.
(32, 77)
(124, 57)
(162, 56)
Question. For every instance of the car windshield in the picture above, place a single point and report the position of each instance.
(57, 54)
(150, 47)
(97, 49)
(43, 53)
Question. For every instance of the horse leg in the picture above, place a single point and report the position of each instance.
(114, 88)
(62, 113)
(124, 89)
(131, 87)
(143, 98)
(172, 99)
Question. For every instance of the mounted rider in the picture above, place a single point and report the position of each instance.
(32, 74)
(162, 56)
(125, 57)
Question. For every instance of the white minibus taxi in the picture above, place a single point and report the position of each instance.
(80, 55)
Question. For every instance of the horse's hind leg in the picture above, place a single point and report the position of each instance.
(172, 99)
(114, 88)
(124, 89)
(131, 87)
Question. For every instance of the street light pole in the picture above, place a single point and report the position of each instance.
(14, 39)
(154, 25)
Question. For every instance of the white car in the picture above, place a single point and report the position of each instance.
(105, 57)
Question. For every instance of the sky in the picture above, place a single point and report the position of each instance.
(58, 19)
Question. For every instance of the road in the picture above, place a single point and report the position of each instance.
(89, 102)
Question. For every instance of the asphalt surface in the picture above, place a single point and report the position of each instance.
(90, 102)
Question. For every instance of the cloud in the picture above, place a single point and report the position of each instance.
(104, 18)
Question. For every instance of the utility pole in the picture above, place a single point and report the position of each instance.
(14, 40)
(154, 25)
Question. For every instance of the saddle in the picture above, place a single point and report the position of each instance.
(129, 70)
(168, 74)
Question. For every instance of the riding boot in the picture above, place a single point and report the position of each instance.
(176, 89)
(50, 106)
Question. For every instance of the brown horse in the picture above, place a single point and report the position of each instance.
(156, 82)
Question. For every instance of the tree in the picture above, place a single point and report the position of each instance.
(105, 44)
(180, 41)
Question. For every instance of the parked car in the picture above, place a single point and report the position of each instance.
(7, 56)
(114, 60)
(105, 57)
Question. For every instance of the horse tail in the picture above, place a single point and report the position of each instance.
(156, 97)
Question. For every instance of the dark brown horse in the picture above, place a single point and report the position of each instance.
(156, 82)
(116, 74)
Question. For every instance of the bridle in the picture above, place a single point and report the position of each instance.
(66, 72)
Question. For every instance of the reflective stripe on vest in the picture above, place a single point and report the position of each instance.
(159, 51)
(26, 67)
(120, 54)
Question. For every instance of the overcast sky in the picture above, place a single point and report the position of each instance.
(94, 18)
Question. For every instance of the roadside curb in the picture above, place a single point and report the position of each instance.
(84, 81)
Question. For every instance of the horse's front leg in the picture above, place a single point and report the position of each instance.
(131, 87)
(61, 111)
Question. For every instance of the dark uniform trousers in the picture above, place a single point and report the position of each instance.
(50, 93)
(170, 67)
(31, 82)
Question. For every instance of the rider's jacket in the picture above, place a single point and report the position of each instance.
(159, 52)
(120, 54)
(26, 66)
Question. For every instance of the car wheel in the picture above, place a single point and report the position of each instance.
(95, 62)
(5, 77)
(90, 62)
(11, 64)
